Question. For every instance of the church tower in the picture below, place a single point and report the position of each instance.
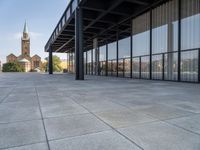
(25, 42)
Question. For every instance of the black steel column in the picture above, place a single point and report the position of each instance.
(98, 65)
(131, 52)
(86, 63)
(179, 40)
(92, 62)
(106, 58)
(150, 59)
(123, 67)
(199, 66)
(117, 51)
(163, 66)
(50, 63)
(79, 58)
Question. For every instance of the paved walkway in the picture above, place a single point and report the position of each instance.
(41, 112)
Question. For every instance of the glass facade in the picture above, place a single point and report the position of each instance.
(112, 58)
(124, 69)
(71, 62)
(102, 60)
(165, 46)
(165, 41)
(190, 39)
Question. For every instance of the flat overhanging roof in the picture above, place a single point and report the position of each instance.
(102, 19)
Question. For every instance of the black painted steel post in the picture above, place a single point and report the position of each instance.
(106, 58)
(123, 67)
(50, 63)
(179, 40)
(86, 63)
(79, 58)
(199, 67)
(117, 49)
(163, 66)
(140, 67)
(131, 51)
(150, 58)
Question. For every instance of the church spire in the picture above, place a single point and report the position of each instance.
(25, 28)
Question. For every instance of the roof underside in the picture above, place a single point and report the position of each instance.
(101, 20)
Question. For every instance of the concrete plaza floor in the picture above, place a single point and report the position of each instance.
(41, 112)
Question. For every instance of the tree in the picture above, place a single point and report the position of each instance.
(43, 66)
(12, 67)
(56, 64)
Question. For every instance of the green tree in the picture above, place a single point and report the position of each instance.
(56, 64)
(12, 67)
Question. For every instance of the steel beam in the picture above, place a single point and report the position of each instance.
(79, 51)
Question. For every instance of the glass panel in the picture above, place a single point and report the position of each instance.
(127, 67)
(71, 69)
(141, 35)
(114, 68)
(189, 66)
(121, 67)
(104, 68)
(89, 60)
(190, 24)
(171, 66)
(136, 67)
(102, 53)
(145, 67)
(157, 67)
(94, 61)
(85, 62)
(112, 51)
(165, 27)
(124, 48)
(110, 70)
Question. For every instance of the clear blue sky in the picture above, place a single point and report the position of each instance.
(42, 17)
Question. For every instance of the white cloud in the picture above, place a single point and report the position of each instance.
(33, 35)
(17, 35)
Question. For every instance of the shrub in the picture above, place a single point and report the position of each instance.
(12, 67)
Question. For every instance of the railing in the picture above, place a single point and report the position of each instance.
(63, 21)
(164, 66)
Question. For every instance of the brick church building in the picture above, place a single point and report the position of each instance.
(25, 60)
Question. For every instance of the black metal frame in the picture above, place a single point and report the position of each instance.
(110, 32)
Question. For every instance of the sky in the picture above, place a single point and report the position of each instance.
(41, 16)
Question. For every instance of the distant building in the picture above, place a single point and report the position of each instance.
(25, 60)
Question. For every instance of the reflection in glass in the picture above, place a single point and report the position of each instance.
(190, 24)
(127, 67)
(157, 67)
(141, 35)
(165, 39)
(145, 67)
(121, 67)
(171, 66)
(124, 48)
(112, 51)
(189, 66)
(136, 67)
